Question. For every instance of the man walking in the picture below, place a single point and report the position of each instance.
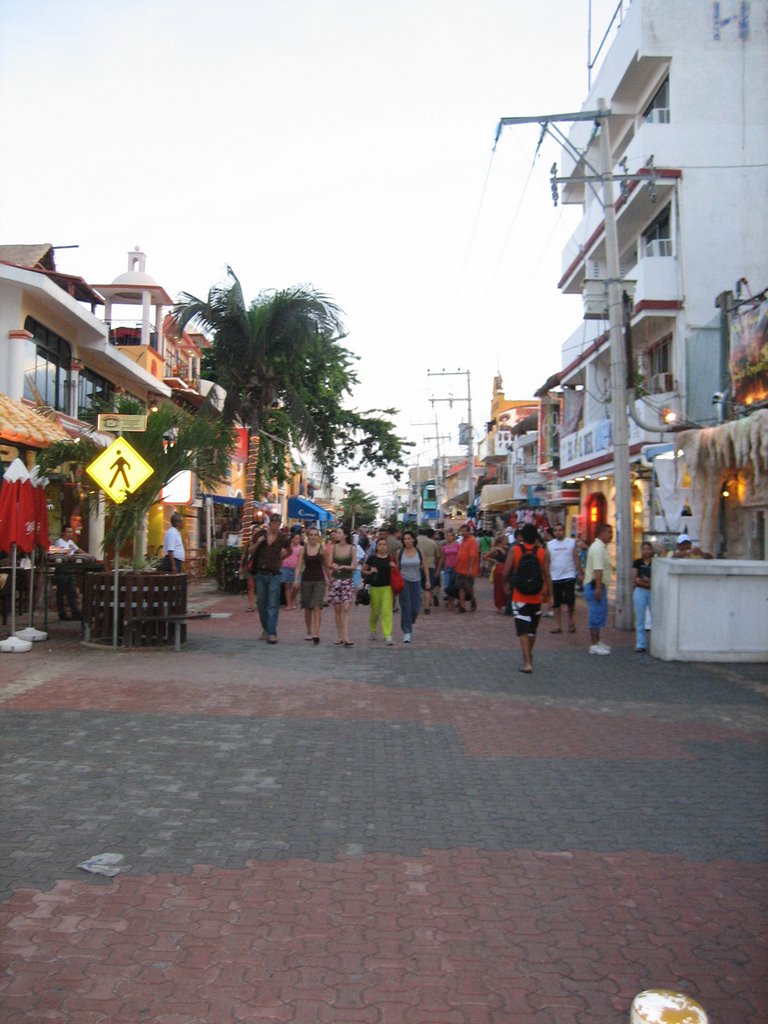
(173, 545)
(597, 576)
(564, 569)
(429, 557)
(526, 567)
(467, 568)
(268, 550)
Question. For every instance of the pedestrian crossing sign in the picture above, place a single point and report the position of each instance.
(119, 470)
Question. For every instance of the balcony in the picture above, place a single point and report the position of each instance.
(129, 332)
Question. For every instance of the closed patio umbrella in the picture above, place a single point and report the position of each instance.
(41, 540)
(17, 532)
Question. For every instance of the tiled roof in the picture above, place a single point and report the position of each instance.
(20, 424)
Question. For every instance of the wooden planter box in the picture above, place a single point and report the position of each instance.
(145, 603)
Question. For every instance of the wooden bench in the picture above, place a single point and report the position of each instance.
(177, 621)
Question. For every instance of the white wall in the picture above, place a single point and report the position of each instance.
(709, 610)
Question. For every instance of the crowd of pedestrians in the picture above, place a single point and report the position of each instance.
(535, 573)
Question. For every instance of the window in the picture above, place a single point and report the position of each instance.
(659, 363)
(657, 111)
(91, 388)
(657, 237)
(46, 367)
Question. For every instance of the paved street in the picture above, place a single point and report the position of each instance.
(376, 835)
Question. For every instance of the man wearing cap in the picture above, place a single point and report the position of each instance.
(685, 548)
(269, 548)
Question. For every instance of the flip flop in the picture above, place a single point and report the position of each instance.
(315, 639)
(525, 671)
(571, 629)
(338, 643)
(349, 643)
(555, 631)
(310, 638)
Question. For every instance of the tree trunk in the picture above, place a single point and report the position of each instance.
(250, 487)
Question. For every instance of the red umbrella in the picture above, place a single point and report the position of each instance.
(17, 530)
(17, 514)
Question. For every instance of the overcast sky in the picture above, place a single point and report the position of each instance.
(342, 143)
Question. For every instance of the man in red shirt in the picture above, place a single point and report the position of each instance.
(527, 569)
(467, 568)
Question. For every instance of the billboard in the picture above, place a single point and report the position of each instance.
(749, 353)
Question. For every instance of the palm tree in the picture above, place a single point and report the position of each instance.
(261, 356)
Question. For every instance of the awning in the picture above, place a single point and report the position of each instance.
(496, 496)
(222, 499)
(20, 424)
(303, 508)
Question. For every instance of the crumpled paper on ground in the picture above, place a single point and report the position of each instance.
(104, 864)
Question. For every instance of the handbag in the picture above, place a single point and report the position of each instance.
(396, 580)
(363, 596)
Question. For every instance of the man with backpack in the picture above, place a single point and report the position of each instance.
(527, 570)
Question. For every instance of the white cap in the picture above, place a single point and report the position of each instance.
(683, 539)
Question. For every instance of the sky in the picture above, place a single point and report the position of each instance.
(344, 144)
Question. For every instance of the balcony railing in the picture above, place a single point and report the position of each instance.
(129, 332)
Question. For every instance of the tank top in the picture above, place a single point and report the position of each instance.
(313, 567)
(343, 573)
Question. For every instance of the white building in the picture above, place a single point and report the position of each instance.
(687, 86)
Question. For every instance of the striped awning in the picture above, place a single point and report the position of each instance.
(21, 424)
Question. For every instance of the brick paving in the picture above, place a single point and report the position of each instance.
(370, 834)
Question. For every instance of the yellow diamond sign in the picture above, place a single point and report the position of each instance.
(119, 470)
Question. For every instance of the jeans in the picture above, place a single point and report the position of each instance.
(410, 604)
(641, 598)
(268, 600)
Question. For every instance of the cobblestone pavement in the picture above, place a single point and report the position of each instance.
(377, 835)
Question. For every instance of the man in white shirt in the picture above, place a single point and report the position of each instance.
(66, 585)
(173, 545)
(564, 569)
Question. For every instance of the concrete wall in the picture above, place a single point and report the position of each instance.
(709, 610)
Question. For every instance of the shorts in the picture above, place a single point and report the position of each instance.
(312, 593)
(341, 592)
(527, 618)
(287, 575)
(465, 583)
(598, 610)
(564, 592)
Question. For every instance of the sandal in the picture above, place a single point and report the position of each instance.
(315, 639)
(571, 629)
(338, 643)
(349, 643)
(555, 631)
(310, 638)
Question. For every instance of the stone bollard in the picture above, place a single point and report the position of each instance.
(659, 1006)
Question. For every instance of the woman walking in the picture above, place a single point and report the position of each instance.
(341, 562)
(376, 573)
(311, 576)
(641, 593)
(288, 572)
(415, 581)
(498, 556)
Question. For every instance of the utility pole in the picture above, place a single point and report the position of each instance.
(619, 418)
(470, 439)
(618, 358)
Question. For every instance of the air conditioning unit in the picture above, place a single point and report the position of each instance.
(659, 115)
(662, 383)
(659, 247)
